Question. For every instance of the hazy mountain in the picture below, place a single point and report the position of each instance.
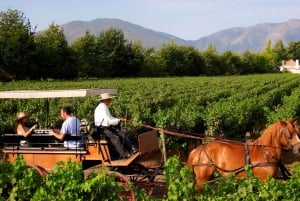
(132, 32)
(253, 38)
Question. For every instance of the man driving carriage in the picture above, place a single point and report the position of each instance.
(104, 119)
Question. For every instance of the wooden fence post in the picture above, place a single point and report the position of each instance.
(163, 146)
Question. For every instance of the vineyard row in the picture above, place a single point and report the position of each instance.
(227, 106)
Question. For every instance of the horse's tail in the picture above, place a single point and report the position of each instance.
(192, 156)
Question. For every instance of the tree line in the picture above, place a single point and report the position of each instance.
(27, 55)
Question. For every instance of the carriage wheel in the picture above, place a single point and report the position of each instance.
(41, 171)
(140, 176)
(127, 193)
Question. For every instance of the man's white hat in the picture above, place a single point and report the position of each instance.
(105, 96)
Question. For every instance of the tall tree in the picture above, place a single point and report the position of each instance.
(173, 59)
(248, 63)
(85, 50)
(139, 58)
(115, 54)
(16, 45)
(280, 52)
(152, 64)
(181, 60)
(293, 50)
(255, 63)
(231, 63)
(212, 61)
(269, 54)
(54, 56)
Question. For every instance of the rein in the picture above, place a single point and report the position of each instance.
(194, 135)
(178, 134)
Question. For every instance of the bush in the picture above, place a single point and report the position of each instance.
(179, 180)
(66, 182)
(17, 181)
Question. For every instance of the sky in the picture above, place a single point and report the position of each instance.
(186, 19)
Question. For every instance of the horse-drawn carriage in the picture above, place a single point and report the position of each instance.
(44, 151)
(262, 155)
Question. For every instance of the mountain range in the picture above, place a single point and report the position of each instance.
(238, 39)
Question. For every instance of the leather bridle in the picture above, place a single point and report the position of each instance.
(287, 138)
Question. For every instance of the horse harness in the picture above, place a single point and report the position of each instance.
(279, 163)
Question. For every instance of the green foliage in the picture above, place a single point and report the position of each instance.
(18, 182)
(85, 50)
(65, 182)
(47, 55)
(181, 60)
(16, 46)
(101, 186)
(116, 56)
(290, 107)
(188, 104)
(5, 182)
(293, 50)
(212, 61)
(252, 188)
(55, 57)
(231, 63)
(179, 180)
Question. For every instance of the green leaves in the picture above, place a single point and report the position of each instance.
(180, 181)
(16, 46)
(17, 182)
(65, 182)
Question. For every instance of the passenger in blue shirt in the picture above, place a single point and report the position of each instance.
(71, 125)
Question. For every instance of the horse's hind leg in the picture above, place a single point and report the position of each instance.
(202, 174)
(200, 163)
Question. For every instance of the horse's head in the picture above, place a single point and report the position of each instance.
(290, 135)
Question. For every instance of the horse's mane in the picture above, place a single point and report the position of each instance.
(266, 138)
(272, 132)
(267, 135)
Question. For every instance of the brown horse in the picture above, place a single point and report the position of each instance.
(263, 155)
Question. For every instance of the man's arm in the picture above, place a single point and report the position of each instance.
(57, 134)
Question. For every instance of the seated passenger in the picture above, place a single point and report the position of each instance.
(22, 129)
(71, 125)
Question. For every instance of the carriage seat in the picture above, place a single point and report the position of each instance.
(92, 133)
(34, 140)
(41, 141)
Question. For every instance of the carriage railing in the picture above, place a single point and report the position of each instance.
(39, 140)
